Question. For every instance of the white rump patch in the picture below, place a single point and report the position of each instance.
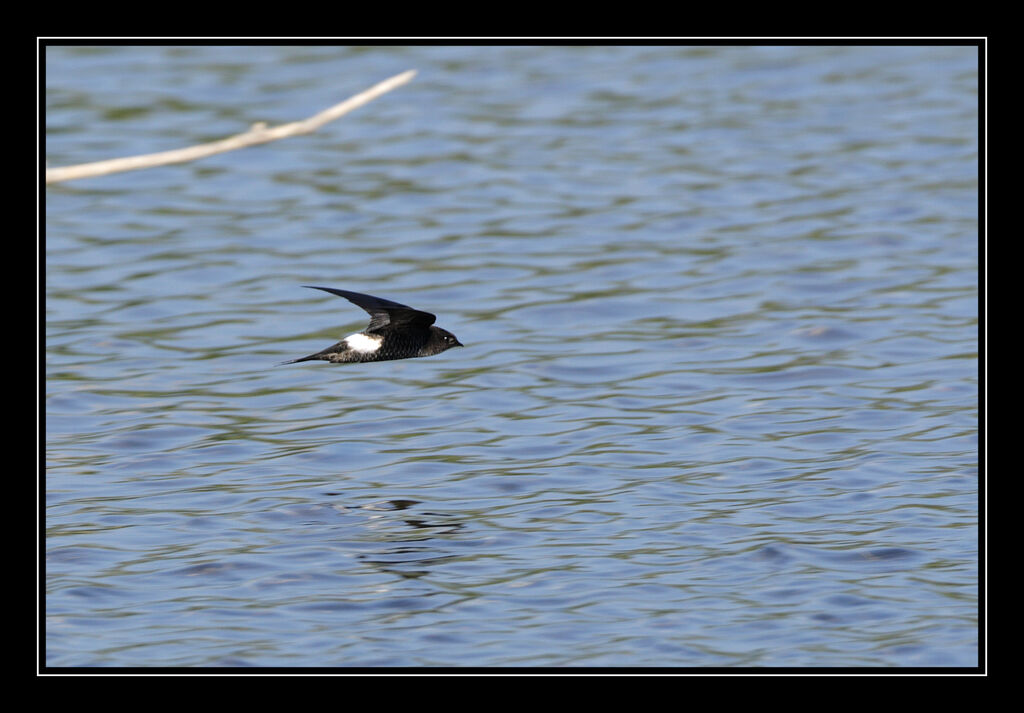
(363, 343)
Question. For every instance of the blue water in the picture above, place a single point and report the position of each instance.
(718, 402)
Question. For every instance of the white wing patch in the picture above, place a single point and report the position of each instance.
(363, 343)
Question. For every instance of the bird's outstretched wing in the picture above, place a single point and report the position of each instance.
(382, 312)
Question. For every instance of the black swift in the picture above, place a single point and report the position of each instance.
(395, 332)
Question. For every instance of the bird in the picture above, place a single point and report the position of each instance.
(395, 332)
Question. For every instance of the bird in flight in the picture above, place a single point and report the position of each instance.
(395, 332)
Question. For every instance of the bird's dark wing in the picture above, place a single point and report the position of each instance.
(382, 312)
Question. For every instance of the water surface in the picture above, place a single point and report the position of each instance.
(717, 405)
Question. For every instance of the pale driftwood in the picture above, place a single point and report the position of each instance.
(258, 134)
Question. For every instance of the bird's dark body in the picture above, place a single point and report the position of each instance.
(393, 346)
(395, 332)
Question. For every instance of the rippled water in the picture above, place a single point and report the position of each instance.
(717, 405)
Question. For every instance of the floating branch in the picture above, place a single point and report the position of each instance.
(258, 134)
